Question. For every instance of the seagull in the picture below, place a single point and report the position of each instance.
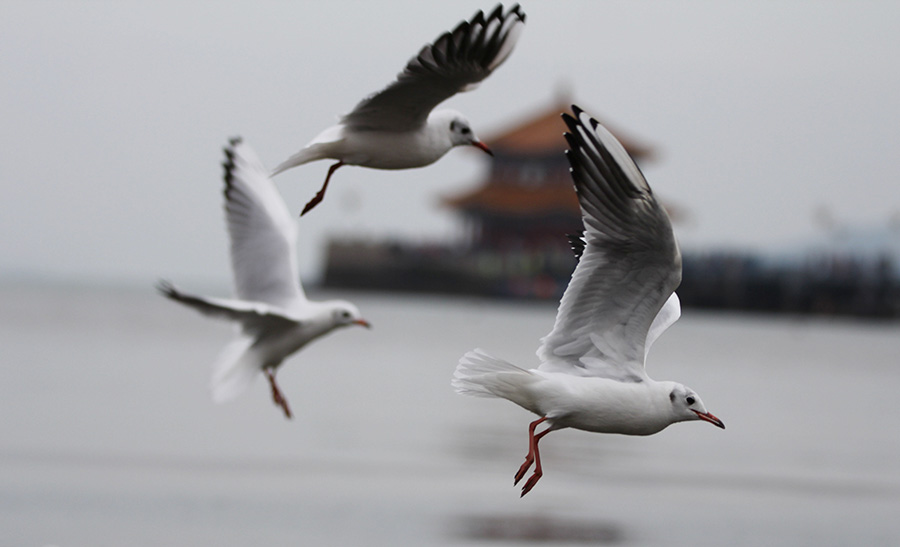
(273, 315)
(397, 128)
(620, 299)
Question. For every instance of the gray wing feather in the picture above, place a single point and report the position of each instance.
(629, 267)
(263, 233)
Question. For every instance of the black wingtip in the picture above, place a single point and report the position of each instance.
(571, 137)
(166, 288)
(517, 9)
(570, 122)
(233, 143)
(577, 243)
(228, 165)
(574, 119)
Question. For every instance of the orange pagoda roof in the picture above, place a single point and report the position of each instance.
(544, 134)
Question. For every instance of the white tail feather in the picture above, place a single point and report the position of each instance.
(480, 375)
(324, 146)
(234, 371)
(306, 155)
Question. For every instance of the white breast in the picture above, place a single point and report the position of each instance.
(602, 405)
(387, 150)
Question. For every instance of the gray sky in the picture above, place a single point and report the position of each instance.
(114, 115)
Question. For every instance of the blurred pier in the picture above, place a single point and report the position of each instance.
(817, 284)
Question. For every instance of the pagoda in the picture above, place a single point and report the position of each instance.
(528, 200)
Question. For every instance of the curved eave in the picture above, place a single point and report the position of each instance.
(517, 201)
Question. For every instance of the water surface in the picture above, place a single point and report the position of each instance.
(109, 436)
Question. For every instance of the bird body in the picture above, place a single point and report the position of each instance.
(272, 348)
(273, 315)
(599, 405)
(381, 149)
(620, 299)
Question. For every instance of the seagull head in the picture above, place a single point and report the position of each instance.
(686, 405)
(345, 314)
(460, 131)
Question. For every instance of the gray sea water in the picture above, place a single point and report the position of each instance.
(108, 435)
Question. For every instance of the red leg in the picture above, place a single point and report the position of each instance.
(276, 393)
(538, 471)
(321, 193)
(532, 447)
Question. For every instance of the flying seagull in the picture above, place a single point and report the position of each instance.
(396, 128)
(620, 299)
(273, 315)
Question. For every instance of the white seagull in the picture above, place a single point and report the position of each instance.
(273, 316)
(618, 302)
(396, 127)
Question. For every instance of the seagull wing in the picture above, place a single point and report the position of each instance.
(668, 314)
(629, 267)
(457, 61)
(263, 232)
(255, 318)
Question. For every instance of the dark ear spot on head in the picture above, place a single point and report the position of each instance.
(672, 396)
(453, 125)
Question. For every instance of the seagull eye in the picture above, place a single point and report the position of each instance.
(466, 131)
(690, 400)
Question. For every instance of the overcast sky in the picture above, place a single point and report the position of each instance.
(114, 115)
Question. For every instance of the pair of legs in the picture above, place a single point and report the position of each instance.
(533, 457)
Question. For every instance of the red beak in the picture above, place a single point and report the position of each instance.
(362, 323)
(707, 417)
(481, 145)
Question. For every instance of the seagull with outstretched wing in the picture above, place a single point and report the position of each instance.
(398, 128)
(273, 315)
(620, 299)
